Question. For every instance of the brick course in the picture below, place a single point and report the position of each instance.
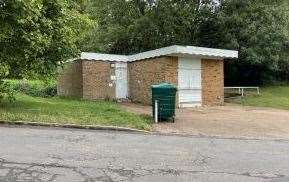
(70, 79)
(91, 79)
(96, 80)
(212, 82)
(144, 73)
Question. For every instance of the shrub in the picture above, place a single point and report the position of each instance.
(49, 91)
(5, 89)
(36, 88)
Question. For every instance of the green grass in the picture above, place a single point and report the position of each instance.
(273, 96)
(71, 111)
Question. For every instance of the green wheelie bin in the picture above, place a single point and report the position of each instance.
(165, 95)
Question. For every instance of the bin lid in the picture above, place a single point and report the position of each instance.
(164, 85)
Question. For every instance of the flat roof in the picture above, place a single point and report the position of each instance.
(175, 50)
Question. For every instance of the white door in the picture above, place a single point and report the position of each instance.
(190, 82)
(121, 80)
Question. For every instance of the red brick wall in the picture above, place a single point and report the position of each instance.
(144, 73)
(96, 80)
(70, 79)
(212, 82)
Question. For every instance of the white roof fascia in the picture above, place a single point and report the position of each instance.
(203, 51)
(166, 51)
(197, 56)
(104, 57)
(154, 53)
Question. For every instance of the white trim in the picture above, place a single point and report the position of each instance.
(179, 51)
(104, 57)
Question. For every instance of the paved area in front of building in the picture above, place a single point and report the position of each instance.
(224, 121)
(62, 155)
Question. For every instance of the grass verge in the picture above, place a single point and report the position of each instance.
(273, 96)
(71, 111)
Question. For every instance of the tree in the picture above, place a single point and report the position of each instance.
(259, 30)
(37, 35)
(125, 27)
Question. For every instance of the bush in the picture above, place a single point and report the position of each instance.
(36, 88)
(5, 89)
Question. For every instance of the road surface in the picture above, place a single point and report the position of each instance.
(66, 155)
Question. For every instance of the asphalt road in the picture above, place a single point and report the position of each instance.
(43, 154)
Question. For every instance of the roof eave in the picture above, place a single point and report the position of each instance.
(166, 51)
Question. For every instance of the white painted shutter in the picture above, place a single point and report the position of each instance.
(121, 81)
(190, 82)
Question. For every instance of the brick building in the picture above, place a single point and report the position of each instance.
(196, 71)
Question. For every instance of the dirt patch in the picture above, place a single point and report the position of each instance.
(225, 121)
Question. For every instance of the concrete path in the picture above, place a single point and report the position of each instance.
(64, 155)
(224, 121)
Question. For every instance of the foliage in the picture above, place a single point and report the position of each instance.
(69, 111)
(36, 88)
(134, 26)
(5, 90)
(35, 35)
(258, 29)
